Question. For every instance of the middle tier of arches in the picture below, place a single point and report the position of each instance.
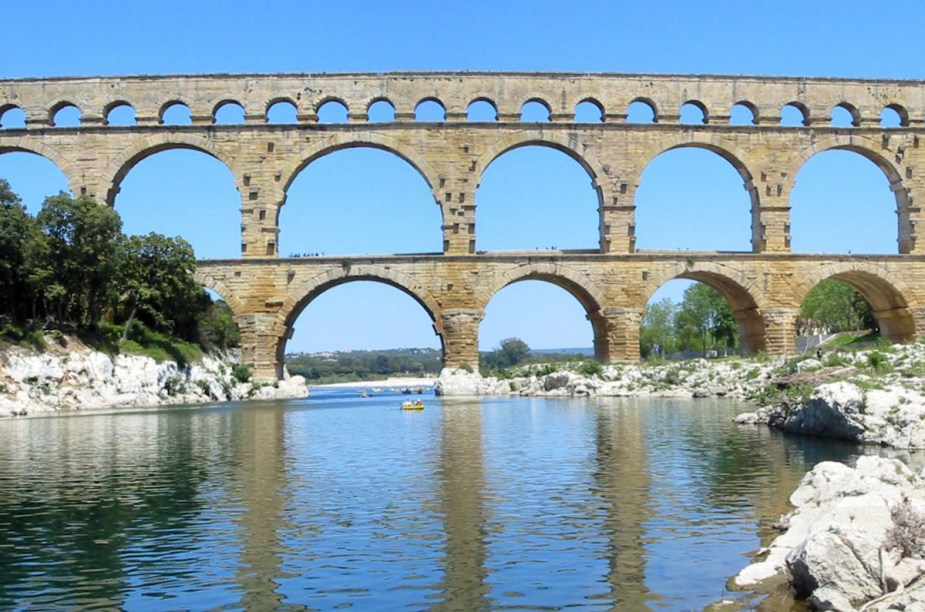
(452, 163)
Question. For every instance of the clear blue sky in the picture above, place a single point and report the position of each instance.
(190, 194)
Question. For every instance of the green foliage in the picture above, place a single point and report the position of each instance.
(160, 347)
(155, 279)
(75, 265)
(656, 334)
(350, 366)
(241, 373)
(836, 306)
(510, 352)
(217, 327)
(877, 360)
(591, 368)
(71, 269)
(702, 321)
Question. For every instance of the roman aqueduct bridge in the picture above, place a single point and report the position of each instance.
(612, 283)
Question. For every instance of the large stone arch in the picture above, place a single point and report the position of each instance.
(871, 150)
(151, 144)
(577, 284)
(886, 294)
(302, 294)
(369, 138)
(740, 160)
(585, 158)
(743, 295)
(539, 137)
(27, 144)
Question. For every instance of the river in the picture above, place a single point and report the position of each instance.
(339, 501)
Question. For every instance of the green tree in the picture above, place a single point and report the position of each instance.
(217, 328)
(510, 352)
(18, 233)
(155, 277)
(705, 318)
(836, 306)
(657, 332)
(76, 262)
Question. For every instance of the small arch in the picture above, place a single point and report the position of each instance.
(743, 113)
(794, 114)
(65, 114)
(482, 110)
(282, 111)
(120, 113)
(589, 110)
(894, 116)
(534, 111)
(175, 113)
(693, 112)
(333, 110)
(430, 109)
(12, 117)
(845, 115)
(641, 110)
(380, 110)
(228, 112)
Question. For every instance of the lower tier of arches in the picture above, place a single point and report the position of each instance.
(764, 292)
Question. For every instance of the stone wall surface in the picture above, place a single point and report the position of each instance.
(612, 281)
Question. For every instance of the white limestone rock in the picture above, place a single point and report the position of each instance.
(894, 417)
(837, 548)
(454, 382)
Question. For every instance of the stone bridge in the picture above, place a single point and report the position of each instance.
(613, 282)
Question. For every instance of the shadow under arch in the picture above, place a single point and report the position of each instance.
(869, 150)
(735, 156)
(736, 289)
(573, 282)
(145, 147)
(306, 292)
(26, 144)
(885, 294)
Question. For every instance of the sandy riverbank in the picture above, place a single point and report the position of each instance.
(384, 384)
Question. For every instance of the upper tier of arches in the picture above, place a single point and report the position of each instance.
(580, 98)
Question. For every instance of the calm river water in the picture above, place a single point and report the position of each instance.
(338, 501)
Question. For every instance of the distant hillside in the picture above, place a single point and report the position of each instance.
(356, 365)
(346, 366)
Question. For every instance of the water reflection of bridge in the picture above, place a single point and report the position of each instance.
(613, 283)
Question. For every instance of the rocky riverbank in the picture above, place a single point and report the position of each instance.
(692, 378)
(58, 379)
(855, 539)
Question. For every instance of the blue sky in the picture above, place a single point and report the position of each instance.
(193, 195)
